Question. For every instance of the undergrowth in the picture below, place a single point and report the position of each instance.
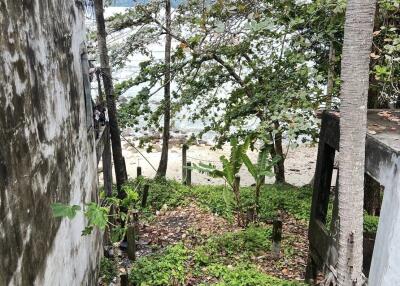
(226, 259)
(108, 270)
(219, 200)
(220, 260)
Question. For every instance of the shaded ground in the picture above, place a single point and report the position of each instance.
(197, 230)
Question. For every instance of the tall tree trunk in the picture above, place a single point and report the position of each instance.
(98, 78)
(119, 162)
(162, 167)
(373, 92)
(353, 121)
(279, 168)
(331, 76)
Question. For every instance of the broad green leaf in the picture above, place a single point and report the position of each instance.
(228, 170)
(62, 210)
(132, 196)
(250, 166)
(97, 215)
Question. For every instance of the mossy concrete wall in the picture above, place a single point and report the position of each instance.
(47, 152)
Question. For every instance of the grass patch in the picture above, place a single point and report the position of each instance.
(238, 245)
(296, 201)
(244, 275)
(219, 200)
(167, 268)
(221, 260)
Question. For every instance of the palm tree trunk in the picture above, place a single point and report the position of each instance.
(119, 162)
(354, 93)
(162, 168)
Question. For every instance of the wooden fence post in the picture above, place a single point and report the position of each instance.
(131, 239)
(276, 237)
(188, 181)
(184, 162)
(124, 279)
(145, 195)
(138, 172)
(132, 234)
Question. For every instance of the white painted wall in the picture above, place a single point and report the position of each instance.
(43, 123)
(385, 266)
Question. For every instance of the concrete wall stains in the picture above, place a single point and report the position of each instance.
(47, 153)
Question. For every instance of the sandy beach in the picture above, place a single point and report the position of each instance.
(300, 163)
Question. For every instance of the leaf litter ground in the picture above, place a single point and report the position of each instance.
(192, 225)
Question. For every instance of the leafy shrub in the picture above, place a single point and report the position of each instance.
(108, 270)
(245, 275)
(296, 201)
(243, 243)
(163, 192)
(220, 259)
(370, 223)
(219, 200)
(163, 269)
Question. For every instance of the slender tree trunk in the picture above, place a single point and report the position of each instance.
(373, 92)
(162, 167)
(98, 78)
(353, 121)
(119, 162)
(279, 168)
(331, 76)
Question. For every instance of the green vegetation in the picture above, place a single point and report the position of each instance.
(165, 269)
(219, 200)
(245, 275)
(222, 260)
(108, 270)
(370, 223)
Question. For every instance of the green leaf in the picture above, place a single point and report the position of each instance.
(208, 169)
(62, 210)
(267, 173)
(228, 170)
(262, 157)
(97, 215)
(117, 233)
(250, 166)
(87, 231)
(132, 196)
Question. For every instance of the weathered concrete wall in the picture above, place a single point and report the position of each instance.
(385, 266)
(47, 153)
